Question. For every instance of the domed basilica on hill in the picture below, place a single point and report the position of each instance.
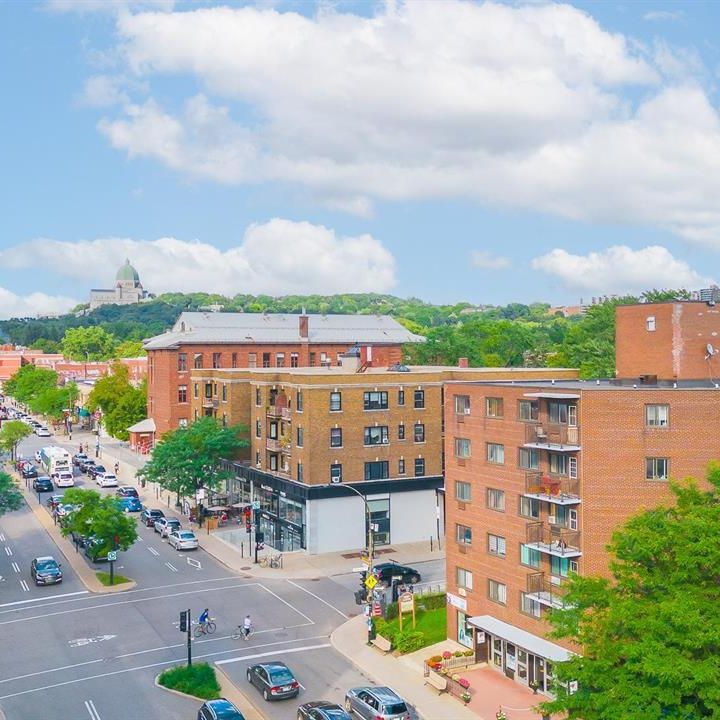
(127, 290)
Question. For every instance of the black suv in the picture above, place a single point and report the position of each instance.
(43, 484)
(387, 571)
(94, 470)
(29, 471)
(148, 517)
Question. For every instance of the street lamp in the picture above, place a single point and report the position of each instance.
(370, 551)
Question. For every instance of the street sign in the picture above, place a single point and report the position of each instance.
(370, 582)
(405, 601)
(112, 555)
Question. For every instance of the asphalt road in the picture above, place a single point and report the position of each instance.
(78, 655)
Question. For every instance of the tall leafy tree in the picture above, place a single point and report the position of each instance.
(10, 497)
(129, 349)
(11, 433)
(29, 382)
(130, 408)
(651, 635)
(88, 343)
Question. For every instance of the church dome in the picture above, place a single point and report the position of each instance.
(127, 273)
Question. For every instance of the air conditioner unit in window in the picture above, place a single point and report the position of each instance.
(552, 520)
(258, 465)
(467, 411)
(462, 592)
(385, 441)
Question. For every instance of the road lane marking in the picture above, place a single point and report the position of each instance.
(153, 550)
(22, 602)
(90, 707)
(292, 607)
(24, 586)
(2, 537)
(286, 651)
(142, 667)
(80, 642)
(317, 597)
(171, 566)
(15, 567)
(8, 551)
(194, 563)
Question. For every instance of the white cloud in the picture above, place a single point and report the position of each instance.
(620, 269)
(37, 303)
(518, 106)
(278, 257)
(488, 261)
(663, 15)
(88, 6)
(103, 91)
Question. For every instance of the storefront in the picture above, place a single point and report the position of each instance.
(518, 654)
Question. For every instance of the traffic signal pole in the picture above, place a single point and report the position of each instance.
(189, 638)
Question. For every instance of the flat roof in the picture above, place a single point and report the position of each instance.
(596, 385)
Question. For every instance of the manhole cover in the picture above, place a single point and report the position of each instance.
(247, 567)
(314, 579)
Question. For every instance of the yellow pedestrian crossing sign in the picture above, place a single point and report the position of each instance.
(370, 582)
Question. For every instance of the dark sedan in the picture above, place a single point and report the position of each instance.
(94, 470)
(43, 484)
(125, 491)
(45, 571)
(79, 459)
(148, 517)
(28, 471)
(322, 710)
(85, 465)
(274, 680)
(387, 572)
(220, 709)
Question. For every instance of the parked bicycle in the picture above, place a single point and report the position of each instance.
(207, 628)
(273, 561)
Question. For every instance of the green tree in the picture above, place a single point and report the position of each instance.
(130, 408)
(88, 343)
(52, 402)
(655, 295)
(10, 497)
(11, 433)
(46, 345)
(651, 635)
(29, 382)
(129, 349)
(100, 517)
(187, 459)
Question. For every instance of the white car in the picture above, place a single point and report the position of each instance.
(106, 479)
(183, 540)
(38, 457)
(64, 479)
(42, 432)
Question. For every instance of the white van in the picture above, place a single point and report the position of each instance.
(64, 479)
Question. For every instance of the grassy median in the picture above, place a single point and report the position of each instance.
(104, 578)
(197, 680)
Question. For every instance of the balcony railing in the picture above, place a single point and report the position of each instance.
(553, 540)
(546, 591)
(557, 489)
(552, 436)
(273, 444)
(278, 411)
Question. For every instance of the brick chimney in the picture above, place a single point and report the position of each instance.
(304, 326)
(462, 362)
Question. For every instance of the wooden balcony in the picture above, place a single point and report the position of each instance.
(554, 540)
(279, 411)
(556, 489)
(552, 436)
(548, 592)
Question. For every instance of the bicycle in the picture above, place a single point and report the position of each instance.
(206, 628)
(273, 561)
(239, 632)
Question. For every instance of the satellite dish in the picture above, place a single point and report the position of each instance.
(710, 351)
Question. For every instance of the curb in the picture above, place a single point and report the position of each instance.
(176, 692)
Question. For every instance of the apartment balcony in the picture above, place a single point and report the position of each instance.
(277, 411)
(556, 489)
(209, 402)
(548, 592)
(273, 444)
(552, 436)
(553, 540)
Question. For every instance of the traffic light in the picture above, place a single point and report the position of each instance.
(183, 621)
(363, 578)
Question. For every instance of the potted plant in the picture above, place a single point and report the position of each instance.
(464, 682)
(447, 655)
(534, 687)
(500, 715)
(465, 697)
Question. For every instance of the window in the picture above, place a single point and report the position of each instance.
(419, 467)
(462, 404)
(257, 459)
(273, 462)
(657, 415)
(182, 422)
(273, 433)
(266, 360)
(252, 360)
(182, 361)
(495, 453)
(529, 508)
(559, 566)
(528, 606)
(462, 447)
(558, 413)
(335, 401)
(294, 359)
(195, 414)
(215, 392)
(657, 468)
(375, 400)
(336, 473)
(463, 578)
(299, 401)
(300, 439)
(216, 360)
(196, 390)
(224, 392)
(377, 435)
(401, 397)
(311, 361)
(494, 407)
(497, 592)
(300, 473)
(279, 359)
(650, 323)
(529, 556)
(258, 428)
(336, 437)
(496, 545)
(182, 393)
(258, 396)
(233, 360)
(377, 470)
(208, 390)
(401, 466)
(496, 499)
(528, 459)
(419, 433)
(419, 399)
(401, 431)
(463, 534)
(572, 466)
(527, 410)
(558, 464)
(198, 361)
(463, 491)
(224, 419)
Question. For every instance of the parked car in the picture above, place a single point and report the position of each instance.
(28, 471)
(385, 573)
(54, 501)
(106, 479)
(220, 709)
(45, 571)
(376, 703)
(64, 478)
(274, 680)
(43, 484)
(63, 509)
(321, 710)
(148, 516)
(78, 539)
(38, 457)
(183, 540)
(94, 470)
(130, 504)
(42, 432)
(79, 458)
(126, 491)
(85, 465)
(95, 550)
(165, 526)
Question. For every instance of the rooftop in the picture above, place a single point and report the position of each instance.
(560, 386)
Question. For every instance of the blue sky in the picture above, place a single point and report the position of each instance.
(446, 150)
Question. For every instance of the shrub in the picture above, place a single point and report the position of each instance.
(459, 653)
(407, 642)
(464, 682)
(198, 680)
(391, 611)
(434, 601)
(469, 653)
(432, 660)
(447, 655)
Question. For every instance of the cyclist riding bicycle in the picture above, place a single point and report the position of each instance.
(247, 626)
(204, 617)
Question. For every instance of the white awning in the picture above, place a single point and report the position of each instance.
(552, 395)
(147, 425)
(527, 641)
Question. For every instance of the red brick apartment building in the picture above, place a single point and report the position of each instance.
(539, 474)
(200, 341)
